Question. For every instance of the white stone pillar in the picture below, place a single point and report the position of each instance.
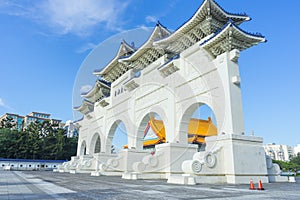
(230, 77)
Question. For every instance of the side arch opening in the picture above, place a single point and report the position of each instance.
(83, 148)
(117, 137)
(95, 143)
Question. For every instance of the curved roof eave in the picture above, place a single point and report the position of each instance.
(84, 104)
(114, 61)
(147, 44)
(194, 17)
(243, 17)
(229, 25)
(96, 87)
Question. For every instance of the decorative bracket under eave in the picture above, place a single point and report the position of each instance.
(131, 85)
(234, 55)
(103, 103)
(168, 69)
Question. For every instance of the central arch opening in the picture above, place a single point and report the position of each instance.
(198, 122)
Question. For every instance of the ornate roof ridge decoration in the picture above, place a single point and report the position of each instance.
(158, 32)
(125, 49)
(232, 15)
(209, 18)
(139, 58)
(231, 37)
(210, 15)
(100, 90)
(85, 108)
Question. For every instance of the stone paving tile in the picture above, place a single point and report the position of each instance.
(49, 185)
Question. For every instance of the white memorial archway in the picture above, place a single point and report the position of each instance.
(171, 75)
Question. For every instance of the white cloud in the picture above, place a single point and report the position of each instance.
(4, 105)
(68, 16)
(85, 88)
(145, 28)
(150, 19)
(79, 16)
(86, 47)
(12, 7)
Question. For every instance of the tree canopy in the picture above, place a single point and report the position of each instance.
(289, 166)
(39, 140)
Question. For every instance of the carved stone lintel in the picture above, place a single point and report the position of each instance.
(131, 85)
(103, 103)
(168, 69)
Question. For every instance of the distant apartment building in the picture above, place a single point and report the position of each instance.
(279, 151)
(297, 149)
(16, 120)
(41, 117)
(21, 122)
(71, 129)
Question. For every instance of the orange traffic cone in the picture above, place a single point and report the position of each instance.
(260, 186)
(251, 185)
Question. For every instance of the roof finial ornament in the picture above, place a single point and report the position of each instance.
(123, 41)
(158, 23)
(132, 45)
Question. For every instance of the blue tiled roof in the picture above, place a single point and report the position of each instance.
(231, 24)
(97, 70)
(104, 82)
(228, 13)
(120, 57)
(101, 81)
(84, 100)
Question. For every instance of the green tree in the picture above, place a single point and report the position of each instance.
(70, 147)
(296, 161)
(60, 141)
(23, 145)
(40, 140)
(286, 166)
(8, 143)
(8, 123)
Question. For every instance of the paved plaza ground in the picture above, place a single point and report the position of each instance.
(49, 185)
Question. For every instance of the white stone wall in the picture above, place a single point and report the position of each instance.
(201, 79)
(25, 165)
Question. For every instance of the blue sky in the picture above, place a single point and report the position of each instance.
(43, 43)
